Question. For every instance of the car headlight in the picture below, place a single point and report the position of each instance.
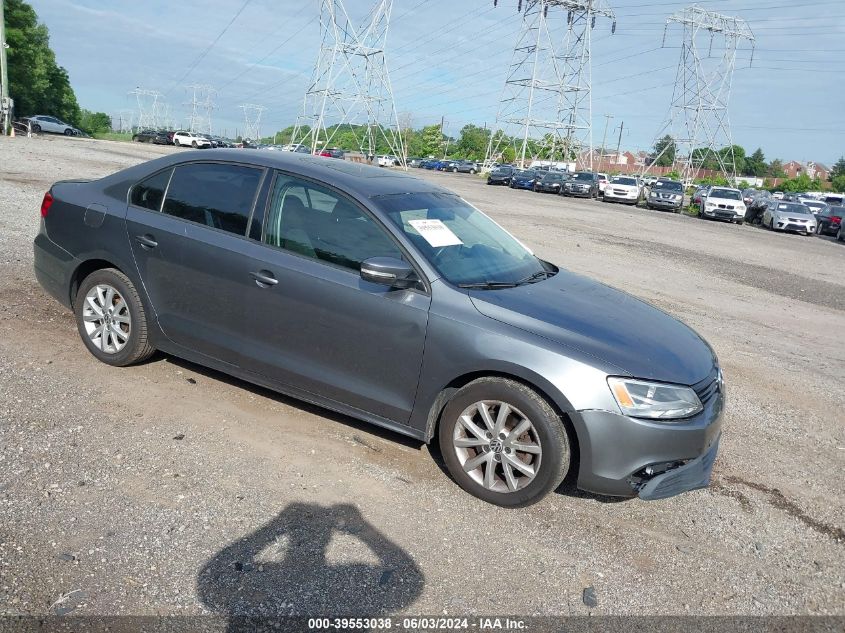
(653, 194)
(654, 400)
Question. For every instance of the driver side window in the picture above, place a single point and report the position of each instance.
(315, 222)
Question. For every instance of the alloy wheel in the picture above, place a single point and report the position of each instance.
(497, 446)
(106, 318)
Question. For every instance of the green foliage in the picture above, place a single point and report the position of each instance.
(508, 154)
(94, 122)
(719, 181)
(431, 141)
(672, 175)
(743, 184)
(664, 152)
(473, 142)
(36, 83)
(755, 165)
(801, 182)
(113, 136)
(838, 169)
(839, 183)
(776, 169)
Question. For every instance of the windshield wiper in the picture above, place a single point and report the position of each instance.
(488, 285)
(540, 274)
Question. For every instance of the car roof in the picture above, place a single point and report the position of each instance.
(364, 180)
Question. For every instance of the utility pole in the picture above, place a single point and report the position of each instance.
(5, 102)
(619, 141)
(607, 118)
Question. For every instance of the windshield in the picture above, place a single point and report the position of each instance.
(504, 169)
(669, 185)
(727, 194)
(624, 181)
(463, 244)
(525, 174)
(552, 177)
(583, 176)
(792, 208)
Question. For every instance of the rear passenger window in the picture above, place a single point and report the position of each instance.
(215, 194)
(149, 193)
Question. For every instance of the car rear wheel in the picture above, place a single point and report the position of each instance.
(503, 443)
(68, 132)
(839, 235)
(35, 128)
(176, 142)
(194, 144)
(111, 318)
(472, 171)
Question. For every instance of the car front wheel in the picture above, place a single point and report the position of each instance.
(503, 443)
(111, 319)
(68, 132)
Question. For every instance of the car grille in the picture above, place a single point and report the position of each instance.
(708, 388)
(726, 206)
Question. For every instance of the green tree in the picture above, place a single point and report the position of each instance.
(664, 152)
(431, 140)
(776, 169)
(94, 122)
(838, 169)
(473, 142)
(36, 82)
(839, 183)
(755, 165)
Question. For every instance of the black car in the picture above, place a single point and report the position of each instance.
(583, 184)
(501, 175)
(666, 195)
(551, 182)
(151, 136)
(755, 209)
(830, 221)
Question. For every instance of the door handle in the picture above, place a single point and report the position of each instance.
(264, 278)
(146, 241)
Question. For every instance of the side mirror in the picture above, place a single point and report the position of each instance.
(389, 271)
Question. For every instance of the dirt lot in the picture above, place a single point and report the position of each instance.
(170, 489)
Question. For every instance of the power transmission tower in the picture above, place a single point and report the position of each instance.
(350, 88)
(148, 107)
(122, 122)
(252, 121)
(546, 103)
(698, 122)
(6, 104)
(201, 105)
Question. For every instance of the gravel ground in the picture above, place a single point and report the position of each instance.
(171, 489)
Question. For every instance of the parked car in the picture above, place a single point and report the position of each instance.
(415, 162)
(829, 221)
(759, 202)
(182, 139)
(431, 163)
(777, 195)
(723, 203)
(448, 165)
(332, 152)
(622, 189)
(391, 300)
(835, 199)
(700, 193)
(748, 196)
(467, 167)
(814, 205)
(501, 175)
(583, 184)
(789, 216)
(44, 123)
(665, 195)
(551, 182)
(219, 141)
(602, 178)
(296, 147)
(151, 136)
(387, 160)
(524, 179)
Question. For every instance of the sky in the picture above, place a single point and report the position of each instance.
(450, 59)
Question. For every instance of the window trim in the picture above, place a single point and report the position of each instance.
(277, 173)
(264, 170)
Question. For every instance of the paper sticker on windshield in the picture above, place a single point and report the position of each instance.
(435, 233)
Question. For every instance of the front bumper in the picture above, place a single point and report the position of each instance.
(609, 195)
(577, 193)
(498, 181)
(662, 203)
(548, 188)
(723, 214)
(520, 184)
(627, 457)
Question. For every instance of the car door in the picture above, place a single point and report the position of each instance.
(189, 252)
(313, 323)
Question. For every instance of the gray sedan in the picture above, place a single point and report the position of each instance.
(390, 299)
(789, 216)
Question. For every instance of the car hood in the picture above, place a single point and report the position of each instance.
(608, 324)
(788, 214)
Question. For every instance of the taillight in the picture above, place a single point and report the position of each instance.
(46, 203)
(834, 219)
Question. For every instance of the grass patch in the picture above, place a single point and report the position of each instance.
(113, 136)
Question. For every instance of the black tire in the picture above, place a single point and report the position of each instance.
(68, 132)
(137, 347)
(35, 128)
(176, 142)
(547, 425)
(472, 171)
(194, 144)
(839, 237)
(739, 222)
